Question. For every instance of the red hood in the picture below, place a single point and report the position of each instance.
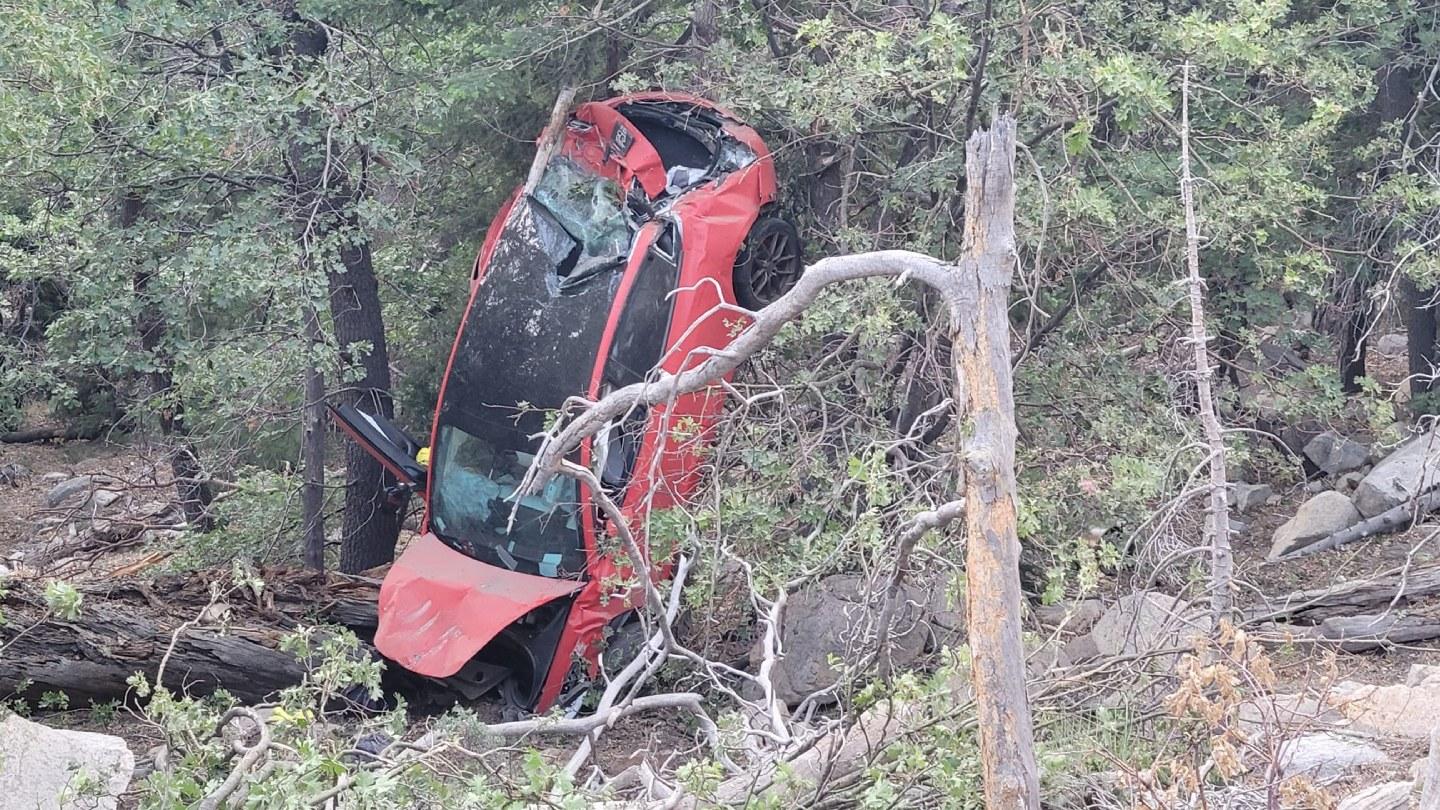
(438, 607)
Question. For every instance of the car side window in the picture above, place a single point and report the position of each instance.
(640, 336)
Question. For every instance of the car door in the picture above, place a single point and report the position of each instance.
(384, 440)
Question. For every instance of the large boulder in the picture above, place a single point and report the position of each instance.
(1336, 454)
(1145, 622)
(43, 768)
(70, 492)
(835, 619)
(1317, 518)
(1392, 345)
(1400, 476)
(1390, 711)
(1326, 755)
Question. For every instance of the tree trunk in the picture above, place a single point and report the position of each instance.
(312, 448)
(370, 524)
(324, 194)
(1420, 336)
(981, 359)
(190, 479)
(1218, 526)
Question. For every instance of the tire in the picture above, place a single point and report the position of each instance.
(769, 263)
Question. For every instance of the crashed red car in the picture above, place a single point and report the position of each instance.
(650, 234)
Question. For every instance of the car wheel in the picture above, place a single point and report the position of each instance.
(769, 263)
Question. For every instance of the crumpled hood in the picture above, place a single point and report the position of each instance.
(438, 608)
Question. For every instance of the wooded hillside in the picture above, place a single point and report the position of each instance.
(1106, 484)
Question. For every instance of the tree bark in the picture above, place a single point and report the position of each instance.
(325, 194)
(312, 447)
(127, 627)
(190, 480)
(1218, 526)
(980, 334)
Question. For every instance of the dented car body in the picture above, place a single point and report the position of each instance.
(642, 246)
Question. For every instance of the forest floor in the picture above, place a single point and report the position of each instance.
(23, 506)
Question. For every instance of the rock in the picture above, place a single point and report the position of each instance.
(1430, 775)
(1080, 648)
(1384, 796)
(1244, 497)
(1144, 622)
(1317, 518)
(1326, 755)
(1423, 675)
(1336, 454)
(1392, 345)
(1391, 711)
(836, 619)
(1400, 476)
(104, 497)
(53, 478)
(43, 768)
(1072, 617)
(1349, 482)
(70, 492)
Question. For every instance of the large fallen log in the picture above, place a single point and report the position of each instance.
(1366, 632)
(1397, 588)
(131, 626)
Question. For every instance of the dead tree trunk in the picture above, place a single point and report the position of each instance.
(130, 626)
(1218, 527)
(980, 334)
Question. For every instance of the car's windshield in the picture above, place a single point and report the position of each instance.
(588, 207)
(474, 506)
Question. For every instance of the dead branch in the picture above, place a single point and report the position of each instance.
(550, 138)
(1394, 519)
(919, 526)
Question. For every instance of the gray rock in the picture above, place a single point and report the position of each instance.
(1384, 796)
(1072, 617)
(1326, 755)
(1390, 711)
(836, 619)
(1349, 482)
(1401, 475)
(1430, 775)
(43, 768)
(1145, 622)
(1317, 518)
(1392, 345)
(53, 478)
(1313, 487)
(70, 492)
(1423, 675)
(104, 497)
(1244, 497)
(1336, 454)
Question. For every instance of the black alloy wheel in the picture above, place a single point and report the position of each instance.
(769, 264)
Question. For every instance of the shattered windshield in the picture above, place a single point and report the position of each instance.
(473, 481)
(590, 210)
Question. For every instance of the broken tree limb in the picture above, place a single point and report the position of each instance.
(50, 434)
(1397, 588)
(1390, 520)
(550, 138)
(1367, 631)
(128, 627)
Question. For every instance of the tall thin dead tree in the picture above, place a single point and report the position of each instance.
(1217, 527)
(980, 335)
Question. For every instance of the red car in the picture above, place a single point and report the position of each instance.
(648, 236)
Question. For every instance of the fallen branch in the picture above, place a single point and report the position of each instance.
(1366, 632)
(1394, 588)
(1394, 519)
(50, 434)
(918, 527)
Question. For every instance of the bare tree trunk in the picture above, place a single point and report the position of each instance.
(980, 332)
(312, 448)
(1420, 335)
(1218, 527)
